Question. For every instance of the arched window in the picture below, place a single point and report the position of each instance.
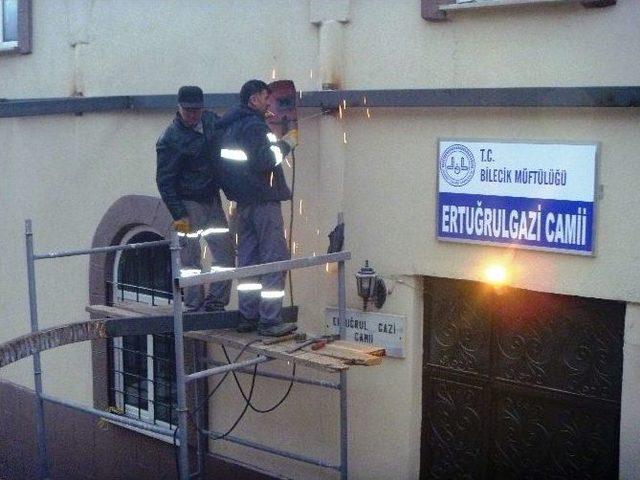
(143, 366)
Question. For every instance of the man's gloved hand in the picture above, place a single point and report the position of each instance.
(182, 225)
(291, 138)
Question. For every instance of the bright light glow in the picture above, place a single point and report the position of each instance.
(294, 248)
(273, 74)
(236, 239)
(272, 137)
(495, 275)
(271, 180)
(364, 100)
(233, 154)
(340, 111)
(216, 269)
(344, 137)
(180, 234)
(318, 232)
(212, 230)
(285, 233)
(300, 207)
(368, 113)
(269, 294)
(189, 272)
(344, 104)
(204, 252)
(249, 287)
(311, 73)
(286, 159)
(326, 267)
(278, 154)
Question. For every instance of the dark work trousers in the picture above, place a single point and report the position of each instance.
(261, 240)
(201, 217)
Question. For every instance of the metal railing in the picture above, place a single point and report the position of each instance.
(181, 378)
(235, 274)
(43, 466)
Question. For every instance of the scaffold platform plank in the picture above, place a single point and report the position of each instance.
(334, 357)
(280, 351)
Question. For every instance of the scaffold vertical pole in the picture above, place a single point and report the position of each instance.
(199, 363)
(181, 385)
(43, 466)
(342, 306)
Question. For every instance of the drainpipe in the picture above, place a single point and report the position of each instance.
(331, 18)
(330, 54)
(78, 15)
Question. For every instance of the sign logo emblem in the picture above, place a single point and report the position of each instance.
(457, 165)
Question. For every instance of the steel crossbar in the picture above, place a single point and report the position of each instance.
(264, 268)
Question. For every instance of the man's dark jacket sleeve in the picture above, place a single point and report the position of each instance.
(167, 177)
(262, 158)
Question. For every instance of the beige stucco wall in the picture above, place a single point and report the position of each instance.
(64, 171)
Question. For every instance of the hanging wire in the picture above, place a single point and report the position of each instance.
(248, 399)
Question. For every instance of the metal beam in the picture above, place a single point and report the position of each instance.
(111, 416)
(605, 96)
(264, 268)
(113, 248)
(226, 368)
(266, 448)
(32, 343)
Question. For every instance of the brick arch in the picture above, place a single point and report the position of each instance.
(124, 214)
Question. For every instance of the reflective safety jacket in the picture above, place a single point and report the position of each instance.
(251, 159)
(187, 164)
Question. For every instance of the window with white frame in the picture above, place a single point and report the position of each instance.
(142, 367)
(15, 26)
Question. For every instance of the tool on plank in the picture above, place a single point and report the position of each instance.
(316, 340)
(298, 337)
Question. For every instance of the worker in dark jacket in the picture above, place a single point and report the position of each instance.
(187, 178)
(252, 176)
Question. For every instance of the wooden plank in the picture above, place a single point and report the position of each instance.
(105, 311)
(360, 347)
(350, 357)
(289, 314)
(280, 351)
(144, 308)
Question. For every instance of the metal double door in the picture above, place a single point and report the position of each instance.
(519, 384)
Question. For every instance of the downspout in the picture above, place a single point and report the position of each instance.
(78, 14)
(331, 19)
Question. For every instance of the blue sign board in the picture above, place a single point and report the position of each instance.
(527, 195)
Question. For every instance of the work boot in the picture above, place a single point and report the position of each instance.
(213, 307)
(247, 324)
(193, 309)
(277, 330)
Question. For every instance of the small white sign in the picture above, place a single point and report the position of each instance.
(375, 329)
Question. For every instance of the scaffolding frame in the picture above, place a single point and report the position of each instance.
(182, 379)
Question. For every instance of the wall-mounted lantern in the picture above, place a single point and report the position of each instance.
(370, 286)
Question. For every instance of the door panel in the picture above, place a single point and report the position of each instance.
(519, 384)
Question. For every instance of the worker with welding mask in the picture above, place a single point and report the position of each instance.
(187, 175)
(252, 176)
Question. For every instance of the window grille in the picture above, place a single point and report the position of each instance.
(142, 367)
